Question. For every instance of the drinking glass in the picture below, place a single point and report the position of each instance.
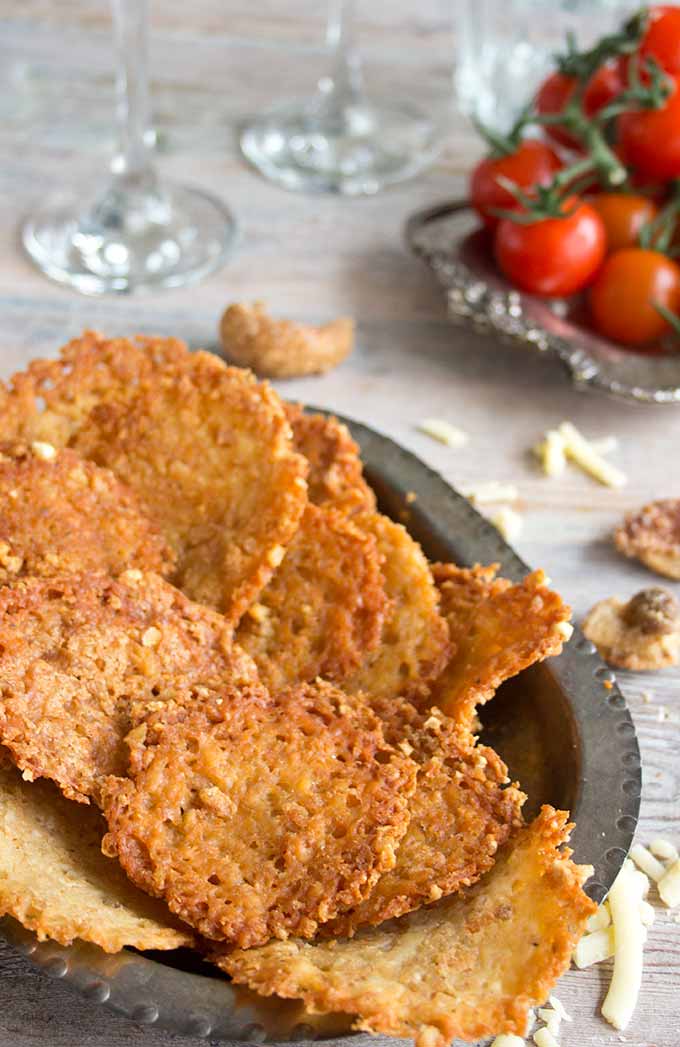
(339, 140)
(506, 47)
(138, 232)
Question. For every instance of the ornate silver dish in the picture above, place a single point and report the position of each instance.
(569, 740)
(448, 239)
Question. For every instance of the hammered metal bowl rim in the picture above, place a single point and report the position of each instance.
(153, 993)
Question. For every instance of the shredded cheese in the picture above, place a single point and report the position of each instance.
(664, 849)
(550, 451)
(44, 450)
(669, 886)
(508, 523)
(605, 445)
(629, 936)
(444, 432)
(599, 919)
(594, 948)
(551, 1019)
(583, 454)
(488, 493)
(558, 1006)
(544, 1038)
(645, 861)
(508, 1040)
(647, 914)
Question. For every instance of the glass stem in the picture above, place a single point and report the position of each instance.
(132, 165)
(346, 83)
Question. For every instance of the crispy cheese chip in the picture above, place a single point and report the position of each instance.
(256, 815)
(461, 813)
(283, 348)
(55, 880)
(51, 399)
(208, 451)
(323, 609)
(497, 630)
(467, 967)
(75, 652)
(335, 468)
(61, 514)
(652, 535)
(415, 641)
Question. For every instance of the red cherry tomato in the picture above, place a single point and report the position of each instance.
(532, 163)
(623, 216)
(553, 256)
(552, 98)
(627, 287)
(662, 38)
(556, 92)
(650, 138)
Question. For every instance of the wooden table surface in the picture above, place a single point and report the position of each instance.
(314, 258)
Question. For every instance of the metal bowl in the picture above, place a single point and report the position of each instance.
(568, 738)
(447, 237)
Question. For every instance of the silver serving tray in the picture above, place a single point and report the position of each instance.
(569, 740)
(447, 237)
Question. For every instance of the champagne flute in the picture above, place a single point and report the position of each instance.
(339, 140)
(137, 232)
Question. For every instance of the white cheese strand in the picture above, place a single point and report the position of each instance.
(594, 948)
(444, 432)
(560, 1008)
(508, 1040)
(645, 861)
(629, 936)
(544, 1038)
(664, 850)
(599, 919)
(669, 886)
(583, 454)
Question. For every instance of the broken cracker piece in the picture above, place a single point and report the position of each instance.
(652, 535)
(283, 348)
(642, 633)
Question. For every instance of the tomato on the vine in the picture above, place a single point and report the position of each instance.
(623, 216)
(557, 90)
(650, 138)
(532, 163)
(623, 297)
(552, 256)
(661, 40)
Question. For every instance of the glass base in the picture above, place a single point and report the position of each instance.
(130, 239)
(367, 146)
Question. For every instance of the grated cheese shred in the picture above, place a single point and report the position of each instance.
(628, 891)
(444, 432)
(582, 453)
(669, 886)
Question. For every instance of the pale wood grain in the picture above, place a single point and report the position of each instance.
(314, 258)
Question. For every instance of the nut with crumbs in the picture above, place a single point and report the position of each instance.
(283, 348)
(652, 535)
(643, 633)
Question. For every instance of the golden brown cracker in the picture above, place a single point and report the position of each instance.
(324, 608)
(470, 966)
(55, 880)
(208, 451)
(60, 514)
(258, 815)
(76, 652)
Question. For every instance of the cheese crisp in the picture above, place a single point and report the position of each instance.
(324, 608)
(258, 816)
(467, 967)
(55, 880)
(76, 652)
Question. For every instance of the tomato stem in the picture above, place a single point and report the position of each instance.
(582, 64)
(671, 319)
